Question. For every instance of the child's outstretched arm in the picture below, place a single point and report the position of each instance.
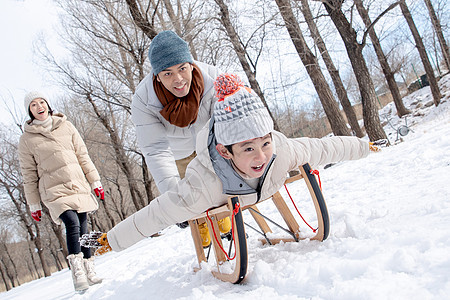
(200, 190)
(323, 151)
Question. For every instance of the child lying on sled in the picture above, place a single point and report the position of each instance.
(239, 153)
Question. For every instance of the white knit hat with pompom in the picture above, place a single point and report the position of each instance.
(239, 114)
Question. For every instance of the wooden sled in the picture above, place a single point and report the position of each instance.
(237, 262)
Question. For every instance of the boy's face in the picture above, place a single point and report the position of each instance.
(251, 157)
(177, 79)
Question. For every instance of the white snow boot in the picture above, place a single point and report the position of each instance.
(90, 272)
(80, 281)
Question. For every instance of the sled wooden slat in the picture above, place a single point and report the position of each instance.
(195, 232)
(285, 213)
(294, 178)
(259, 219)
(214, 211)
(241, 260)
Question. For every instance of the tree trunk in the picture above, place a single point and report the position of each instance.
(57, 230)
(4, 277)
(438, 29)
(120, 157)
(177, 22)
(120, 209)
(174, 19)
(423, 54)
(105, 208)
(13, 269)
(140, 21)
(388, 74)
(33, 234)
(55, 258)
(334, 73)
(147, 180)
(40, 252)
(34, 271)
(329, 104)
(9, 277)
(241, 53)
(96, 225)
(354, 50)
(149, 30)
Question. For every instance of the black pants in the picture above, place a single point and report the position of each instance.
(76, 226)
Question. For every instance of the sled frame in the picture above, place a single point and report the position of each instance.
(241, 257)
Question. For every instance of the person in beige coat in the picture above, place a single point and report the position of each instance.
(238, 153)
(58, 172)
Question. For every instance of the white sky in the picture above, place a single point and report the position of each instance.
(20, 24)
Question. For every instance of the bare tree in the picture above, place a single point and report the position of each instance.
(108, 62)
(121, 158)
(354, 50)
(34, 270)
(423, 54)
(141, 21)
(5, 279)
(8, 262)
(12, 185)
(329, 104)
(332, 70)
(57, 230)
(438, 29)
(388, 74)
(247, 64)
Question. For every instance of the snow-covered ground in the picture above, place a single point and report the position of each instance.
(389, 237)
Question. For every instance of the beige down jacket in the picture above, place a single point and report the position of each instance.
(56, 168)
(202, 189)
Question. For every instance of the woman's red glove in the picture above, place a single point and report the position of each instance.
(36, 215)
(99, 192)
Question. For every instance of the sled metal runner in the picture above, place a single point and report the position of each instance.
(233, 210)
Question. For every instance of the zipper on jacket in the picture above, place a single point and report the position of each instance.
(261, 182)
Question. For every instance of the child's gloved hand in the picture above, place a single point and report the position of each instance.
(377, 145)
(96, 239)
(103, 240)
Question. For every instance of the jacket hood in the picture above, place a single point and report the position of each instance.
(57, 120)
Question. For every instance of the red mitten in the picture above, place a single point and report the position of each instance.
(99, 192)
(36, 215)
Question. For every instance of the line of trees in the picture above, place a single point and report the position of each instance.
(291, 52)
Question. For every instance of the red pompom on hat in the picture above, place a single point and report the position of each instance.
(227, 84)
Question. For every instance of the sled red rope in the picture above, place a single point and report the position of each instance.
(314, 230)
(235, 211)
